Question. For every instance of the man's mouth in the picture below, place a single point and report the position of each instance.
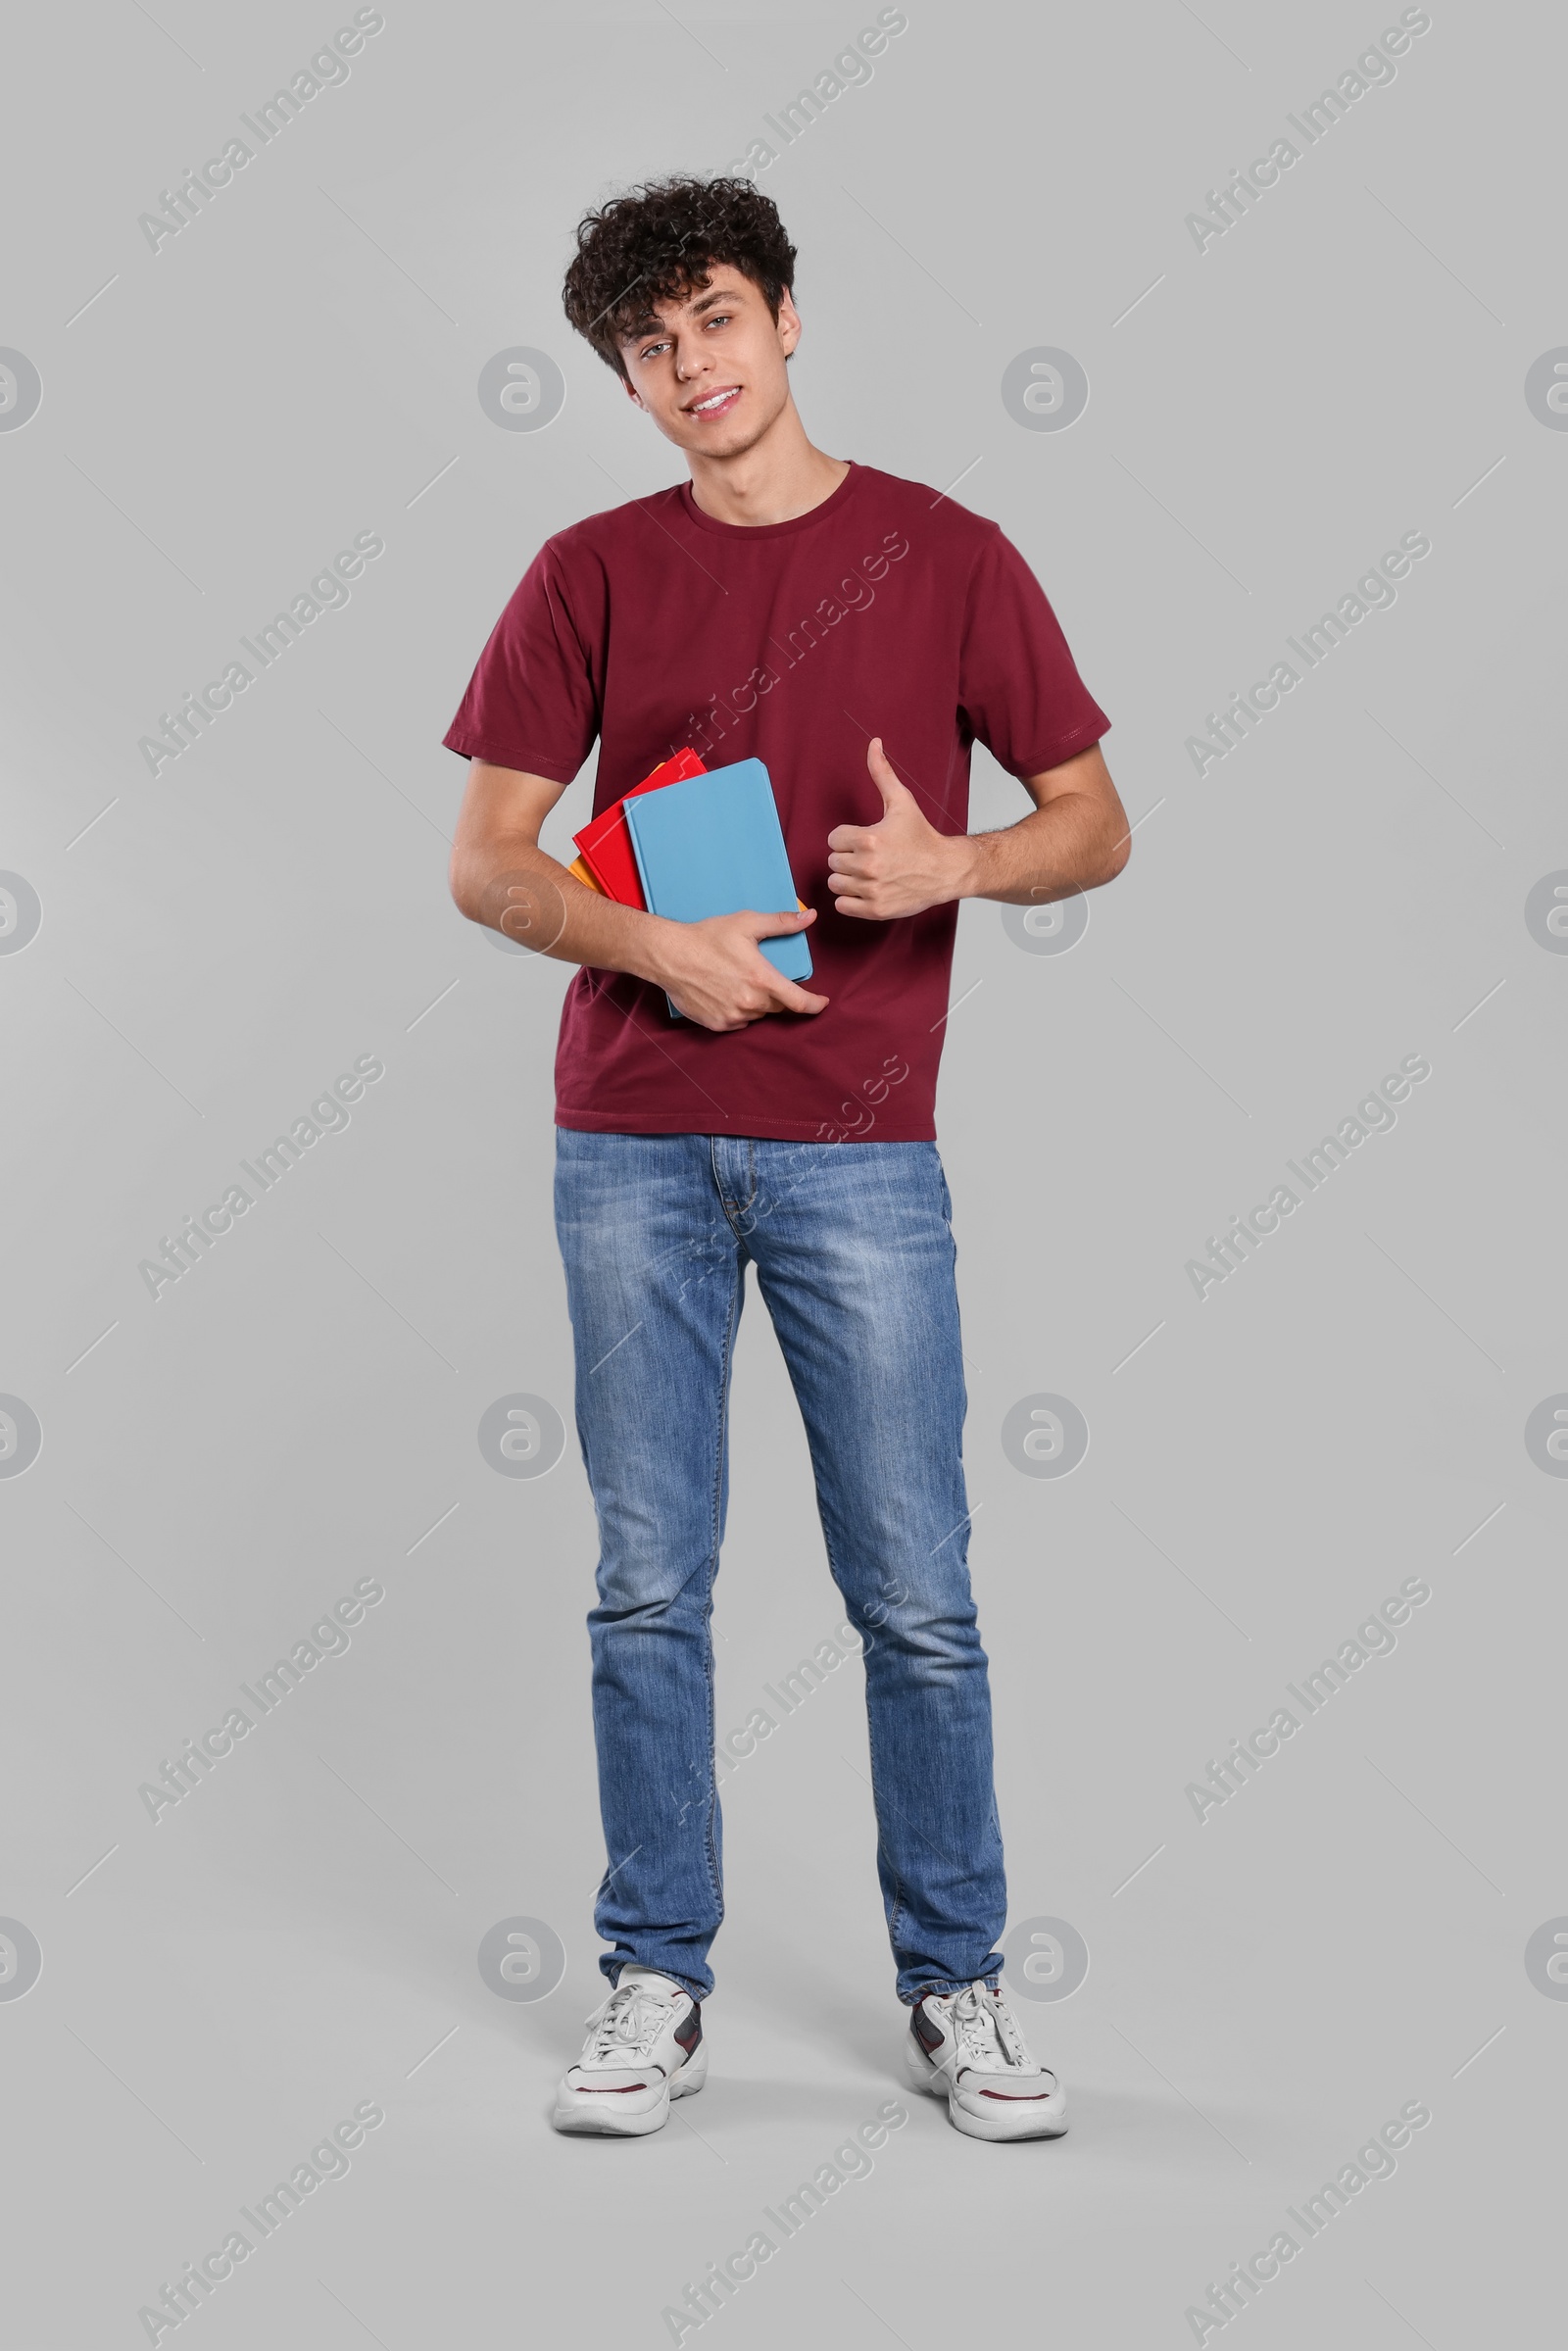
(716, 404)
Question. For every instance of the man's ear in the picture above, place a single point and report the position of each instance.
(789, 322)
(631, 391)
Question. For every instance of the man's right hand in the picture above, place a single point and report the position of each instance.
(716, 972)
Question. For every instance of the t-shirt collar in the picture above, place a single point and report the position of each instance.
(828, 511)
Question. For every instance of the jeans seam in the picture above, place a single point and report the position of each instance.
(741, 1207)
(895, 1915)
(710, 1853)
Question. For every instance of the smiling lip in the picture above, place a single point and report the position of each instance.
(723, 401)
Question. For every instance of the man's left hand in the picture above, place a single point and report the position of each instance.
(900, 866)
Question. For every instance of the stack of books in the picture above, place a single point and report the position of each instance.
(605, 860)
(688, 843)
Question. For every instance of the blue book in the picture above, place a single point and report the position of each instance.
(712, 845)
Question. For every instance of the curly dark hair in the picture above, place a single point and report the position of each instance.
(655, 244)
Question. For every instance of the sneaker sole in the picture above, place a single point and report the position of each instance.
(1046, 2120)
(604, 2121)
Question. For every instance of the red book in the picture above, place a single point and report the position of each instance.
(606, 845)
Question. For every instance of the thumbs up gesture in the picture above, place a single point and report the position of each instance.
(900, 866)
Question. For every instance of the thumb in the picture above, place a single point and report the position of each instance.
(894, 794)
(774, 926)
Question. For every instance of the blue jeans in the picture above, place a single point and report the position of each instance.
(855, 1260)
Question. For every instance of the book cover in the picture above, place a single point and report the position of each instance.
(712, 844)
(605, 845)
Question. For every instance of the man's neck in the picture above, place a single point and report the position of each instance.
(780, 476)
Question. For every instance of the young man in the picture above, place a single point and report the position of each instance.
(855, 632)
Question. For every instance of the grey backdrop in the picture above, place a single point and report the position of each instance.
(190, 958)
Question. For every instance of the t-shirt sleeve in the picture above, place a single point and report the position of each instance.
(533, 702)
(1018, 686)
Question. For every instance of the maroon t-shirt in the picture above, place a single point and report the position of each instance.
(889, 610)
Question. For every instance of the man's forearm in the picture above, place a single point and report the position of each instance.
(516, 888)
(1070, 843)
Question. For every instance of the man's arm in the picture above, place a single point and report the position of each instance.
(1075, 837)
(501, 877)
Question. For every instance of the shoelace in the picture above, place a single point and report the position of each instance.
(627, 2022)
(985, 2031)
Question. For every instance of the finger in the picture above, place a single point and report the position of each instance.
(799, 1000)
(776, 926)
(882, 775)
(851, 836)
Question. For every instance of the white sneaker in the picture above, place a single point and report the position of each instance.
(965, 2046)
(643, 2047)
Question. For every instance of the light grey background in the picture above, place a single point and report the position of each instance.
(1264, 419)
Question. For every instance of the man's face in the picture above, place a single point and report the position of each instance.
(709, 369)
